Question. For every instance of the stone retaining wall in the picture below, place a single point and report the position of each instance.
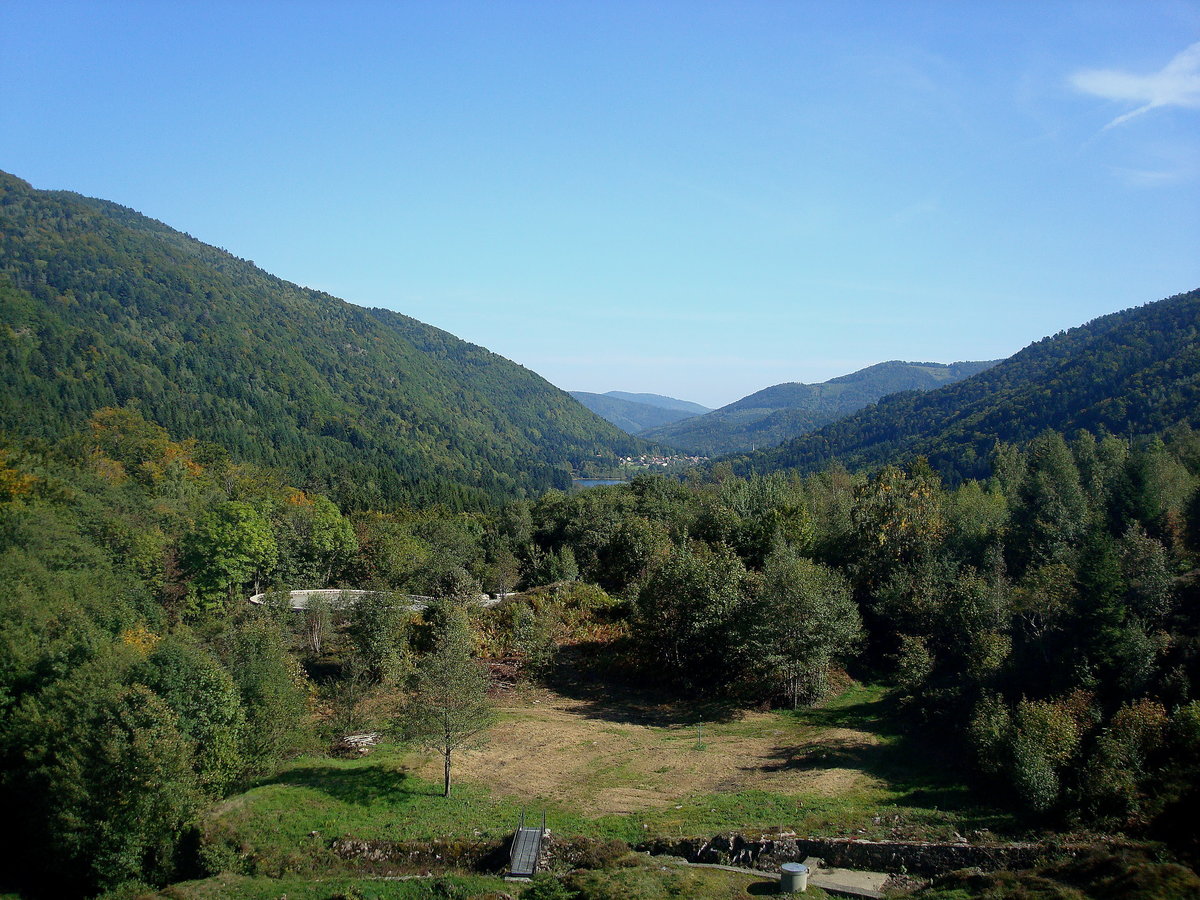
(766, 852)
(918, 858)
(386, 857)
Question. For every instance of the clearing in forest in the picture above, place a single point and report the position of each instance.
(611, 757)
(611, 762)
(627, 761)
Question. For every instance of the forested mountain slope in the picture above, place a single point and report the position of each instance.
(686, 406)
(101, 306)
(635, 416)
(1132, 372)
(784, 411)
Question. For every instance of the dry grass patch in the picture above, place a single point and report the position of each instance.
(627, 757)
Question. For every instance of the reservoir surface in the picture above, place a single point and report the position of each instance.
(579, 483)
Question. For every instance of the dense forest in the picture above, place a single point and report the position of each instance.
(1015, 556)
(100, 306)
(1043, 620)
(1131, 373)
(785, 411)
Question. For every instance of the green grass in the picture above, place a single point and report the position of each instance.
(285, 824)
(283, 827)
(874, 814)
(652, 880)
(226, 886)
(634, 880)
(915, 792)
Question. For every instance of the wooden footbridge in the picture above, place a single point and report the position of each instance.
(526, 848)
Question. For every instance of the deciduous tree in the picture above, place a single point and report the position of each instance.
(687, 615)
(804, 619)
(229, 547)
(448, 709)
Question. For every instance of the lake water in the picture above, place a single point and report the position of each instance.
(580, 483)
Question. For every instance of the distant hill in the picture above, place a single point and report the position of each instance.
(637, 412)
(783, 411)
(1130, 373)
(101, 306)
(686, 406)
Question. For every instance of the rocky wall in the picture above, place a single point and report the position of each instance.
(918, 858)
(386, 857)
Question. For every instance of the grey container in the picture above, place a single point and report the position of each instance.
(793, 878)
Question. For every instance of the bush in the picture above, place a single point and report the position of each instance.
(130, 890)
(640, 883)
(1120, 774)
(218, 851)
(1033, 776)
(988, 735)
(999, 886)
(1126, 877)
(546, 887)
(274, 694)
(584, 853)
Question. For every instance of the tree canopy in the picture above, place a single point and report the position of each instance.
(102, 307)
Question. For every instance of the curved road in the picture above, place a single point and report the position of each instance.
(339, 599)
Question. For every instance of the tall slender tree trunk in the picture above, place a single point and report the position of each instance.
(446, 782)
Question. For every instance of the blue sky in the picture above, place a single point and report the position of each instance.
(697, 198)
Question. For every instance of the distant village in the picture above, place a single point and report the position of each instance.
(661, 461)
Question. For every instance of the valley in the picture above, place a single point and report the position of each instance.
(961, 615)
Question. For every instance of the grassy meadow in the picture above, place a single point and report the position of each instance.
(633, 878)
(613, 767)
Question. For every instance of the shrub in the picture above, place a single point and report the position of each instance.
(546, 887)
(988, 735)
(1115, 781)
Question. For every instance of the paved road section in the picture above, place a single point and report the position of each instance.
(838, 882)
(340, 599)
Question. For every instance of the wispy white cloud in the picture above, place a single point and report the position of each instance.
(1177, 84)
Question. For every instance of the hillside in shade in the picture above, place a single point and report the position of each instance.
(101, 306)
(635, 413)
(1129, 373)
(783, 411)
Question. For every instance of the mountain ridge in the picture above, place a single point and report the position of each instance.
(102, 306)
(634, 416)
(1132, 372)
(661, 401)
(782, 411)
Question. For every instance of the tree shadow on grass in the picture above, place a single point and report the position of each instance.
(764, 889)
(877, 714)
(629, 699)
(915, 784)
(362, 786)
(921, 772)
